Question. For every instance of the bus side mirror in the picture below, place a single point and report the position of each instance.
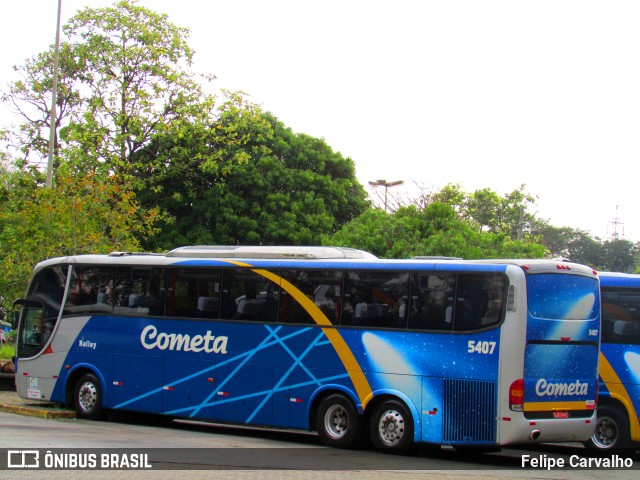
(15, 317)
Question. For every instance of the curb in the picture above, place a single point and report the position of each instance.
(36, 412)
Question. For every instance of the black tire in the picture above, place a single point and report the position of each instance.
(612, 430)
(87, 397)
(338, 422)
(391, 426)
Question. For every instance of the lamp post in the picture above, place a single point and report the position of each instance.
(54, 92)
(386, 185)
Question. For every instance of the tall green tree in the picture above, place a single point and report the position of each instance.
(123, 79)
(271, 187)
(81, 214)
(620, 255)
(435, 231)
(579, 246)
(508, 214)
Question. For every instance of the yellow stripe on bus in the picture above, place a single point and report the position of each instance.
(360, 382)
(619, 392)
(550, 406)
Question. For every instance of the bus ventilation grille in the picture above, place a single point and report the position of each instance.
(469, 411)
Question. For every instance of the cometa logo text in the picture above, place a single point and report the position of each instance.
(150, 339)
(547, 389)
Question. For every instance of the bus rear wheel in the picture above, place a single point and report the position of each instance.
(87, 397)
(392, 426)
(611, 431)
(338, 422)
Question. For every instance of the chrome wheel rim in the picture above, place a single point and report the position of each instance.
(87, 396)
(391, 427)
(336, 421)
(606, 433)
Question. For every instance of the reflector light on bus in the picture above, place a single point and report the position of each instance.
(511, 298)
(516, 395)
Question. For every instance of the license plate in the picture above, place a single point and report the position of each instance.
(561, 414)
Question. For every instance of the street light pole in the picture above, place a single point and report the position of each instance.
(54, 93)
(386, 185)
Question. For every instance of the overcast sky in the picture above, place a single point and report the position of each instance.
(491, 93)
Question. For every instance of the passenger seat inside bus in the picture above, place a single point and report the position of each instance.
(625, 330)
(208, 306)
(249, 309)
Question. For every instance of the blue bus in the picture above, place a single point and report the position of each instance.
(332, 340)
(618, 424)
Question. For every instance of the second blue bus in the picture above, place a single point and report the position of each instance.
(618, 425)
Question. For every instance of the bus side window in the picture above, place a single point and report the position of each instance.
(90, 290)
(244, 296)
(376, 299)
(193, 293)
(140, 291)
(480, 301)
(431, 303)
(471, 302)
(620, 316)
(321, 287)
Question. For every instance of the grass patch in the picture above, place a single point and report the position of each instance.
(7, 350)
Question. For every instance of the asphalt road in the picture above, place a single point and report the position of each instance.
(215, 451)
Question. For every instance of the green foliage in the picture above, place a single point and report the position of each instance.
(271, 186)
(617, 255)
(122, 79)
(491, 212)
(82, 214)
(7, 350)
(436, 230)
(144, 158)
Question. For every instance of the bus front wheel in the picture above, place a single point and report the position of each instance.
(338, 422)
(87, 397)
(392, 426)
(611, 431)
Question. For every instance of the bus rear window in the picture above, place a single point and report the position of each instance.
(559, 296)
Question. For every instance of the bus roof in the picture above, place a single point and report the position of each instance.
(618, 279)
(311, 257)
(269, 252)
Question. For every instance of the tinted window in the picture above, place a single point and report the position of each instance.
(193, 292)
(431, 306)
(90, 290)
(247, 295)
(620, 315)
(480, 301)
(48, 285)
(320, 287)
(376, 299)
(139, 291)
(41, 310)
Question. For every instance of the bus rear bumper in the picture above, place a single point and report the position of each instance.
(523, 431)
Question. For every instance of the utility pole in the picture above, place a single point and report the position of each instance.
(54, 94)
(615, 222)
(386, 185)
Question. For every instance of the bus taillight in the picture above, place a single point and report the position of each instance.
(516, 396)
